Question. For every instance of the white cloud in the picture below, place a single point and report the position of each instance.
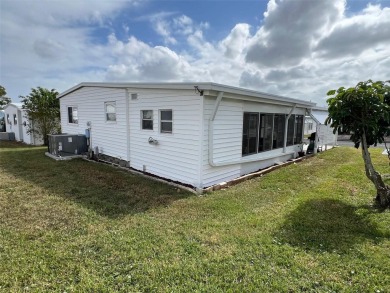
(136, 60)
(161, 24)
(49, 49)
(162, 27)
(306, 48)
(301, 49)
(290, 30)
(237, 41)
(49, 43)
(183, 25)
(170, 26)
(352, 36)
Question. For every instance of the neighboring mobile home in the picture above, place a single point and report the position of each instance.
(16, 122)
(316, 117)
(2, 121)
(199, 134)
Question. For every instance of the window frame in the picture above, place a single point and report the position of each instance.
(264, 131)
(257, 115)
(298, 132)
(71, 115)
(15, 119)
(278, 136)
(106, 113)
(290, 134)
(273, 141)
(161, 121)
(144, 119)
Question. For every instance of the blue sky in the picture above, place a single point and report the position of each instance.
(296, 48)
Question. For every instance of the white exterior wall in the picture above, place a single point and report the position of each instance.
(34, 139)
(27, 138)
(227, 140)
(309, 120)
(110, 137)
(9, 112)
(182, 155)
(177, 154)
(12, 110)
(20, 129)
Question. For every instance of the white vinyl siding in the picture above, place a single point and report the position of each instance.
(109, 137)
(228, 139)
(175, 156)
(182, 153)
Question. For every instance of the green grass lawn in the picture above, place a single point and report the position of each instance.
(78, 226)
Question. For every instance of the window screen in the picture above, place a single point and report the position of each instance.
(250, 133)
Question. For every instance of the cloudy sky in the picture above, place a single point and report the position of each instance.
(296, 48)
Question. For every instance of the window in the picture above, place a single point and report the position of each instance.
(298, 129)
(147, 119)
(15, 119)
(73, 115)
(250, 133)
(290, 130)
(278, 135)
(110, 108)
(166, 121)
(265, 131)
(266, 126)
(8, 120)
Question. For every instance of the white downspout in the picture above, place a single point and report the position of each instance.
(211, 129)
(286, 128)
(128, 124)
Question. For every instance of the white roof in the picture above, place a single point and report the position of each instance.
(16, 105)
(209, 88)
(320, 114)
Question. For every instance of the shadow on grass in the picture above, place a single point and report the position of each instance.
(329, 225)
(108, 191)
(9, 144)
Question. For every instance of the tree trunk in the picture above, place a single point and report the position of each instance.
(45, 140)
(383, 191)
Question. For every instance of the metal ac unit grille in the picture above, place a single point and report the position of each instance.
(67, 144)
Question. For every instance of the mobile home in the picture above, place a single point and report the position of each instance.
(199, 134)
(16, 122)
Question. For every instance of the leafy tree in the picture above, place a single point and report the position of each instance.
(4, 101)
(364, 111)
(43, 110)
